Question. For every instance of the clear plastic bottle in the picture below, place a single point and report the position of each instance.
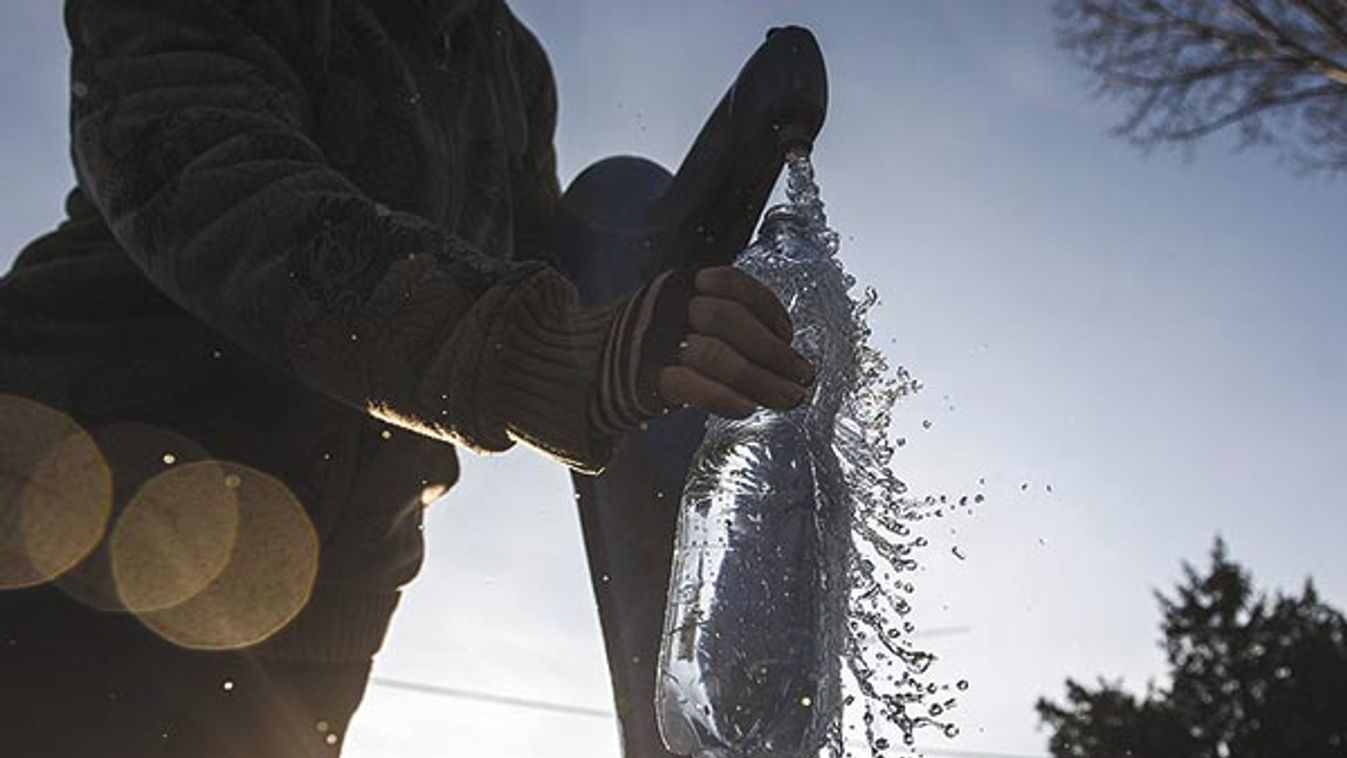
(750, 655)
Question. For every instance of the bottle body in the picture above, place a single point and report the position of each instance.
(749, 658)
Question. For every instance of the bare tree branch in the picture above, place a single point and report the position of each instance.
(1337, 27)
(1273, 71)
(1294, 52)
(1217, 123)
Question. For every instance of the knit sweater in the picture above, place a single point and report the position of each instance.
(300, 224)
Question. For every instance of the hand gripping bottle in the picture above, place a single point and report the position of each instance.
(750, 654)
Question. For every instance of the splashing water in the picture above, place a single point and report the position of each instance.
(884, 677)
(787, 609)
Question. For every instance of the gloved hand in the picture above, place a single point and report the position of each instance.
(715, 339)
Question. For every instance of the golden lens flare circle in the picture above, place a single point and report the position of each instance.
(136, 452)
(175, 537)
(266, 578)
(55, 493)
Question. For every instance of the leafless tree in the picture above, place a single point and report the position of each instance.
(1273, 71)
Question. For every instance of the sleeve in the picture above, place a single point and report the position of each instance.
(190, 132)
(537, 190)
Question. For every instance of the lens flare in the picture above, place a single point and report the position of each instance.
(55, 493)
(137, 452)
(265, 581)
(175, 537)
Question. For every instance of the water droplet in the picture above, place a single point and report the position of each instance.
(926, 424)
(228, 685)
(79, 89)
(386, 434)
(170, 459)
(322, 726)
(232, 481)
(958, 553)
(806, 701)
(962, 684)
(330, 739)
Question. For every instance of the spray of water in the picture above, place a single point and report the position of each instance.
(787, 629)
(888, 690)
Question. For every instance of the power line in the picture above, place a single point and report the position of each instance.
(942, 631)
(952, 753)
(579, 710)
(486, 697)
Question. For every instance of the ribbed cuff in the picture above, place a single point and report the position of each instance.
(644, 339)
(547, 367)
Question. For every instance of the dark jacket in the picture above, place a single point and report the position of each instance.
(308, 235)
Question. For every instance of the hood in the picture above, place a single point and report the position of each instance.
(442, 17)
(445, 15)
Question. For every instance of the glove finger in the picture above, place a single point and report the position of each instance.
(732, 284)
(733, 323)
(719, 362)
(680, 385)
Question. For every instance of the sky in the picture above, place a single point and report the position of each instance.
(1161, 341)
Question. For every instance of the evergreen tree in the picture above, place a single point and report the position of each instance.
(1251, 677)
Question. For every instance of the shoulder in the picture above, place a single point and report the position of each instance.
(529, 58)
(149, 26)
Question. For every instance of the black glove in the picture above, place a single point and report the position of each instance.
(714, 339)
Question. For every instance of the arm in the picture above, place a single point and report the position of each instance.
(718, 340)
(191, 132)
(537, 192)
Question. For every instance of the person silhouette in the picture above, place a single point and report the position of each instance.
(305, 258)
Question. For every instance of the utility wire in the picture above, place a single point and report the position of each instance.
(942, 631)
(579, 710)
(486, 697)
(952, 753)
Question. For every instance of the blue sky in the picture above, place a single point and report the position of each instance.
(1160, 340)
